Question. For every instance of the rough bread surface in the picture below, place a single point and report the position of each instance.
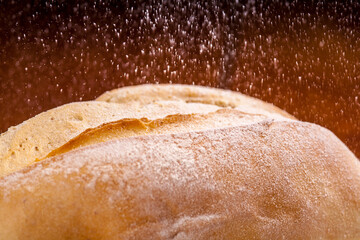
(268, 180)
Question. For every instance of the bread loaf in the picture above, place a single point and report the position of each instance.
(182, 171)
(34, 139)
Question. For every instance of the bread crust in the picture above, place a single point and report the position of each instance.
(302, 182)
(148, 93)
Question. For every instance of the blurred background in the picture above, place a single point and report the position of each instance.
(302, 57)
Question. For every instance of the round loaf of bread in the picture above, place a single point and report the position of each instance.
(215, 170)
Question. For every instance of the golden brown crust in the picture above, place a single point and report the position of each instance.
(22, 145)
(301, 183)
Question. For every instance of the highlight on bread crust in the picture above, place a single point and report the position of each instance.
(148, 93)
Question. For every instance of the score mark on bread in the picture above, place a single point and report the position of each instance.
(177, 123)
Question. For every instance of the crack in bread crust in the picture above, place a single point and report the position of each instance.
(170, 124)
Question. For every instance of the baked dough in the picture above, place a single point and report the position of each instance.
(178, 162)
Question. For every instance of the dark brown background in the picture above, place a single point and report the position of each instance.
(303, 57)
